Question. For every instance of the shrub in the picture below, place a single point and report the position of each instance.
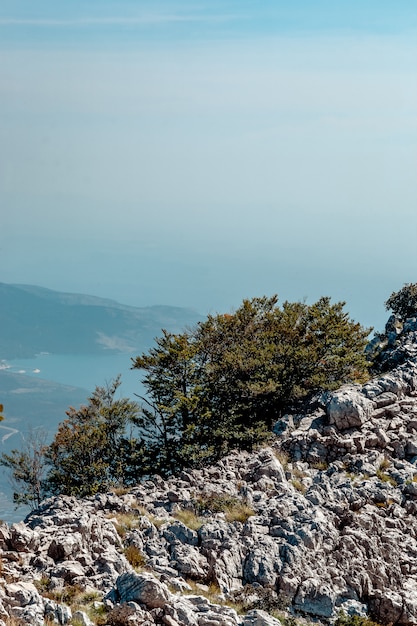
(135, 556)
(403, 303)
(90, 451)
(222, 384)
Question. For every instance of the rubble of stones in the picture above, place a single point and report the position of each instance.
(330, 526)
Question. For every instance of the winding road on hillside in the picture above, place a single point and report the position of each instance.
(12, 431)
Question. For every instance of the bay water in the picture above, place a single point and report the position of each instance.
(83, 371)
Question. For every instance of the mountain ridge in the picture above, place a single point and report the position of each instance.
(35, 319)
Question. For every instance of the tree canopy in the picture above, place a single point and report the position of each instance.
(92, 451)
(86, 455)
(223, 383)
(403, 303)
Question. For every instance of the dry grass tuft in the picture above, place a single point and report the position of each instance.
(135, 557)
(189, 518)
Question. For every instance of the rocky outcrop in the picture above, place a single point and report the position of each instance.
(321, 521)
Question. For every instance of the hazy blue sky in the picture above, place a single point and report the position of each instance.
(195, 153)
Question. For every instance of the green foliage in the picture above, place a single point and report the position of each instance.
(223, 384)
(90, 451)
(175, 408)
(27, 467)
(403, 303)
(353, 620)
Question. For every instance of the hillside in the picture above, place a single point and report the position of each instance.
(321, 521)
(34, 319)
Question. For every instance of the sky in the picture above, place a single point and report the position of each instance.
(198, 153)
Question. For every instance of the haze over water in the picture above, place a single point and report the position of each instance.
(195, 154)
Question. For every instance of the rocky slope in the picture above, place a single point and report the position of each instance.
(321, 521)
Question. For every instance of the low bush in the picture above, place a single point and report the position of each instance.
(234, 509)
(135, 557)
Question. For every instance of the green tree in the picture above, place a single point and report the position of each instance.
(403, 303)
(264, 358)
(172, 413)
(27, 467)
(224, 383)
(89, 451)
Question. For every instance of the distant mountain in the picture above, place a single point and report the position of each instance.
(34, 319)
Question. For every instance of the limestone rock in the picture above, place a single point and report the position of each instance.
(259, 618)
(142, 588)
(348, 408)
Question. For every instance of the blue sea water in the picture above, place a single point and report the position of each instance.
(84, 371)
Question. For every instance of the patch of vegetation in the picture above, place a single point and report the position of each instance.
(156, 521)
(43, 584)
(263, 598)
(234, 509)
(212, 591)
(353, 620)
(120, 490)
(386, 478)
(189, 518)
(135, 557)
(383, 475)
(403, 303)
(97, 612)
(283, 458)
(352, 476)
(320, 465)
(67, 595)
(385, 463)
(385, 504)
(298, 485)
(12, 621)
(125, 522)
